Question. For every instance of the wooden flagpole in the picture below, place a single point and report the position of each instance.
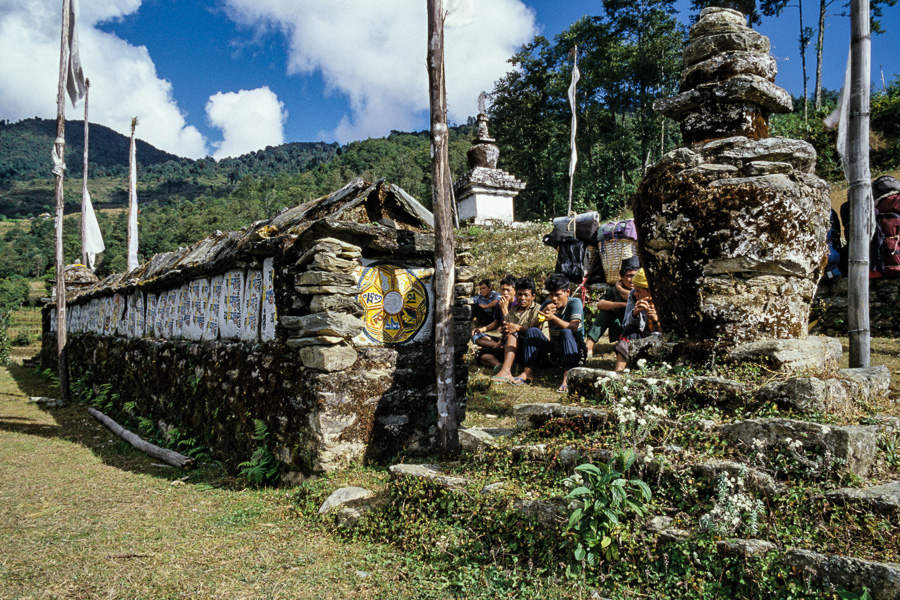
(444, 258)
(59, 149)
(860, 190)
(84, 256)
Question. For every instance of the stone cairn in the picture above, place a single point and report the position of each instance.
(732, 225)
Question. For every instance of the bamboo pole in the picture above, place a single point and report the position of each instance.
(84, 178)
(860, 190)
(444, 259)
(59, 149)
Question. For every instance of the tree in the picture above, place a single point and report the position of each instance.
(628, 57)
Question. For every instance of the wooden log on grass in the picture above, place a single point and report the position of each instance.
(167, 456)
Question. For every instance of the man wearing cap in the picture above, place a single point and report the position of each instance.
(611, 307)
(641, 319)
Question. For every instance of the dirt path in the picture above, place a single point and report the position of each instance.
(82, 515)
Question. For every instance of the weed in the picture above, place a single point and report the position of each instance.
(606, 497)
(845, 595)
(889, 442)
(262, 468)
(734, 509)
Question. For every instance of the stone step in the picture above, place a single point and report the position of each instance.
(801, 394)
(882, 579)
(472, 439)
(429, 472)
(879, 498)
(744, 548)
(854, 444)
(533, 416)
(755, 480)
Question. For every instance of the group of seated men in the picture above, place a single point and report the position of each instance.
(530, 333)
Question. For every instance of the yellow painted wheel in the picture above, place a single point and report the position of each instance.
(395, 303)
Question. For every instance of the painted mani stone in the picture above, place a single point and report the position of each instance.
(395, 303)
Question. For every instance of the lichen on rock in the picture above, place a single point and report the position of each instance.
(732, 226)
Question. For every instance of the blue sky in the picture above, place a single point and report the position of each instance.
(223, 77)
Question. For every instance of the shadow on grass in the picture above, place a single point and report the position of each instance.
(72, 423)
(31, 383)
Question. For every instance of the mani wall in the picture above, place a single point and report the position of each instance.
(319, 322)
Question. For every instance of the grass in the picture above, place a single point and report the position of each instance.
(26, 319)
(83, 515)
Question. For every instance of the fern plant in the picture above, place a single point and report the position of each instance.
(604, 498)
(262, 468)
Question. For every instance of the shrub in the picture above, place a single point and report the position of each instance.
(606, 498)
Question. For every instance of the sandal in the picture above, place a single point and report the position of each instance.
(498, 379)
(563, 389)
(519, 381)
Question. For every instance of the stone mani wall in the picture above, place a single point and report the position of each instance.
(829, 310)
(326, 335)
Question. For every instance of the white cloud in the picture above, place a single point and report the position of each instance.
(124, 83)
(374, 53)
(249, 120)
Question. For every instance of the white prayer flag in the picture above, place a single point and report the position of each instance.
(840, 117)
(132, 207)
(93, 239)
(74, 73)
(576, 75)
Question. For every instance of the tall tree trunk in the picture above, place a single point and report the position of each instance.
(820, 45)
(60, 153)
(860, 190)
(444, 259)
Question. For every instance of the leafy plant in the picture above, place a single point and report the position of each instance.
(606, 497)
(4, 339)
(890, 444)
(262, 467)
(845, 595)
(734, 508)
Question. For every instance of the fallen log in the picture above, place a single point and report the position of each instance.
(167, 456)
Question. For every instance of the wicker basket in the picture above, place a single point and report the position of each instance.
(613, 252)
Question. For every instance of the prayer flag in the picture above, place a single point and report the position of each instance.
(74, 73)
(576, 75)
(93, 239)
(132, 205)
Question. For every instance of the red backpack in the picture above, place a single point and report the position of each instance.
(888, 209)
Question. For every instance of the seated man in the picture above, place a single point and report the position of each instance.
(564, 316)
(641, 319)
(484, 303)
(611, 307)
(520, 317)
(493, 344)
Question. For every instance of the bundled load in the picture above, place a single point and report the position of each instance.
(588, 251)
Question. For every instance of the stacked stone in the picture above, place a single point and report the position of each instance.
(327, 280)
(727, 86)
(732, 227)
(831, 302)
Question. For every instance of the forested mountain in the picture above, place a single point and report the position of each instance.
(628, 56)
(25, 150)
(183, 201)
